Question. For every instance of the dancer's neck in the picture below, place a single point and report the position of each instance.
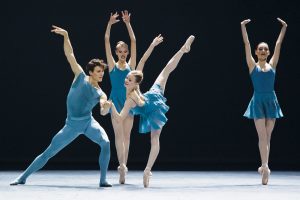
(121, 64)
(94, 83)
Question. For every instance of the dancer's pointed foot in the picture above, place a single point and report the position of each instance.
(259, 170)
(146, 177)
(265, 174)
(18, 182)
(105, 184)
(187, 46)
(122, 169)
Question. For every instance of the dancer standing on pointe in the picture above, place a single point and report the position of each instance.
(151, 105)
(84, 94)
(263, 107)
(118, 71)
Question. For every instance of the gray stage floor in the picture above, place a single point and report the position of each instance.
(173, 185)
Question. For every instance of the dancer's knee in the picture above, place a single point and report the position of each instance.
(105, 145)
(263, 138)
(46, 155)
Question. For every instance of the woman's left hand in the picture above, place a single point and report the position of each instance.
(126, 16)
(282, 22)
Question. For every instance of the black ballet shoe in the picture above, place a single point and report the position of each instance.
(18, 182)
(187, 46)
(105, 184)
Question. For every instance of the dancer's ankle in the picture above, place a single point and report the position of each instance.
(147, 169)
(264, 165)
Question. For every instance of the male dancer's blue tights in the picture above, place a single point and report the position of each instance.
(73, 128)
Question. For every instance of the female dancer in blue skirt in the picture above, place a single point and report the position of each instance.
(263, 107)
(84, 94)
(151, 105)
(118, 71)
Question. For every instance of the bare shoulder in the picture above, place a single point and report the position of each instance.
(271, 65)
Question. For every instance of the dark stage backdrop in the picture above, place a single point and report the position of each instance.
(207, 94)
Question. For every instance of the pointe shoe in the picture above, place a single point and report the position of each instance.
(146, 178)
(122, 171)
(18, 182)
(259, 170)
(265, 173)
(187, 46)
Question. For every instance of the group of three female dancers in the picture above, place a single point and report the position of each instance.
(126, 100)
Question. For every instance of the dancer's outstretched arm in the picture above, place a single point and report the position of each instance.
(109, 57)
(157, 40)
(119, 117)
(249, 58)
(76, 68)
(275, 57)
(132, 60)
(104, 104)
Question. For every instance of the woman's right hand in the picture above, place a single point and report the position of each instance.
(107, 104)
(246, 21)
(113, 18)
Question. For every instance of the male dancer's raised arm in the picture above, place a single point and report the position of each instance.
(76, 68)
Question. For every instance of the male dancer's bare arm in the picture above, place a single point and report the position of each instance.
(110, 59)
(132, 60)
(275, 57)
(250, 60)
(76, 68)
(157, 40)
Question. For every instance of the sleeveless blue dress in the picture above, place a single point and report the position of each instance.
(118, 90)
(264, 103)
(152, 113)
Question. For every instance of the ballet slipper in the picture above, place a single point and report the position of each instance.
(187, 46)
(265, 174)
(105, 184)
(259, 170)
(18, 182)
(122, 171)
(146, 177)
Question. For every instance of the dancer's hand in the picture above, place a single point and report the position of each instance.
(282, 22)
(246, 21)
(107, 104)
(59, 31)
(126, 16)
(157, 40)
(113, 18)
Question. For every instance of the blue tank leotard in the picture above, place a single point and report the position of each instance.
(152, 113)
(264, 102)
(81, 99)
(118, 90)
